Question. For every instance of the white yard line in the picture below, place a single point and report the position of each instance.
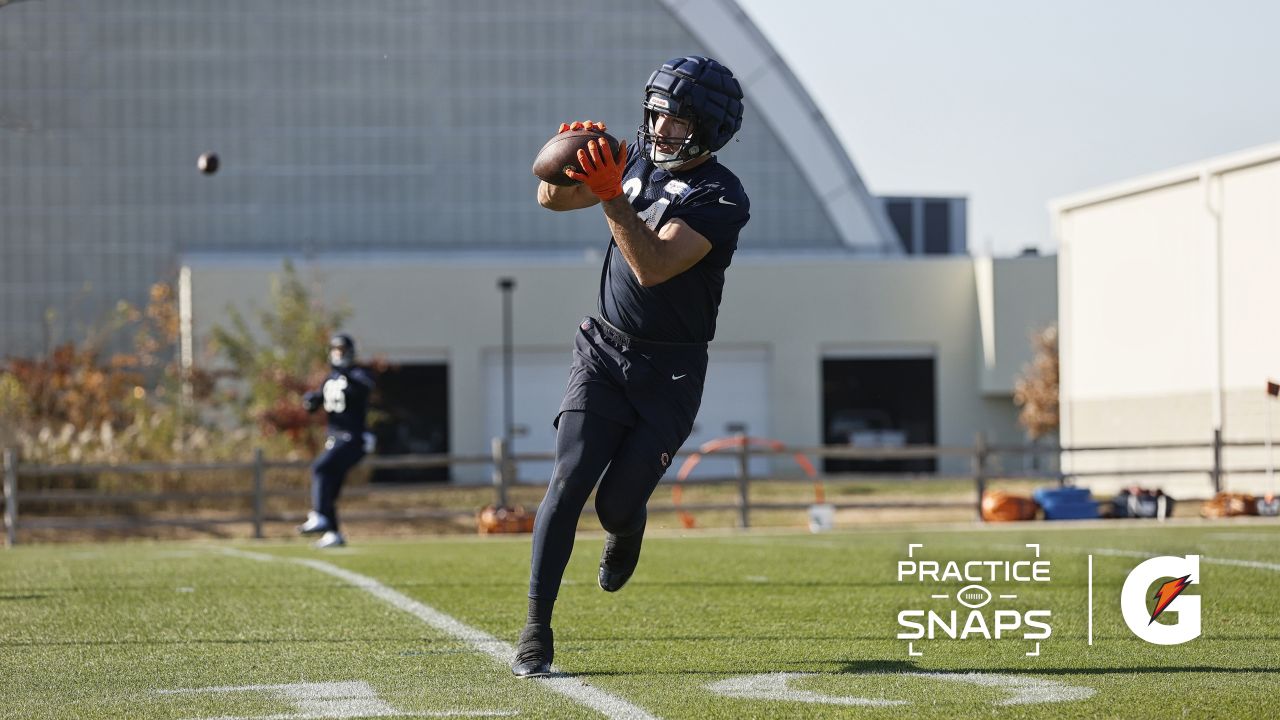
(1117, 552)
(1257, 565)
(350, 699)
(577, 690)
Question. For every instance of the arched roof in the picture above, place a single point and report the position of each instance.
(796, 120)
(385, 126)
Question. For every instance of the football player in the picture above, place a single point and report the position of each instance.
(345, 399)
(636, 379)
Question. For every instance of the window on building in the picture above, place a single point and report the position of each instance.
(929, 226)
(900, 215)
(879, 402)
(937, 227)
(410, 416)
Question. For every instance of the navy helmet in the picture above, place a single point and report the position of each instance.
(342, 350)
(700, 91)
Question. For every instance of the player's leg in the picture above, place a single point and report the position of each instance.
(317, 521)
(585, 443)
(667, 394)
(346, 455)
(621, 498)
(329, 473)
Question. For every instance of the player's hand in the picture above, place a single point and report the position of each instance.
(311, 401)
(601, 172)
(581, 125)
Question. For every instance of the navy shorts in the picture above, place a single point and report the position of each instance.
(635, 382)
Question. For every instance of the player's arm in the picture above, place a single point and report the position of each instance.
(569, 197)
(361, 386)
(565, 197)
(654, 257)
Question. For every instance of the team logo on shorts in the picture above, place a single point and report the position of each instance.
(665, 459)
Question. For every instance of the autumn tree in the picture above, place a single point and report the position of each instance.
(276, 355)
(1036, 392)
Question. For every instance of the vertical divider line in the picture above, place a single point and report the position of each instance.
(1091, 600)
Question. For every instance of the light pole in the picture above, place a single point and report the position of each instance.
(1273, 391)
(507, 285)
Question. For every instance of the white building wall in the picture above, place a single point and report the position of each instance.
(790, 310)
(1251, 268)
(1140, 338)
(1016, 299)
(1130, 336)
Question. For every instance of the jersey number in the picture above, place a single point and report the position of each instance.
(335, 395)
(632, 189)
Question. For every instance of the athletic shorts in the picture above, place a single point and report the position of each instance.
(633, 381)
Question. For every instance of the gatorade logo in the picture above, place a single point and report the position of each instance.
(1168, 596)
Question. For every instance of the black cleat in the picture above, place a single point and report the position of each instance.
(618, 561)
(534, 653)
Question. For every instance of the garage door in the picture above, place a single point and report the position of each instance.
(539, 378)
(736, 392)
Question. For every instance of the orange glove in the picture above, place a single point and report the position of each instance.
(580, 125)
(601, 173)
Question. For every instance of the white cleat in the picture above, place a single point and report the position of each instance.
(330, 539)
(316, 523)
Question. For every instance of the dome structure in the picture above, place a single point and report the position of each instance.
(344, 127)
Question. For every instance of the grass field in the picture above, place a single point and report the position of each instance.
(418, 628)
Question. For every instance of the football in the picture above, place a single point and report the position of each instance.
(561, 152)
(207, 163)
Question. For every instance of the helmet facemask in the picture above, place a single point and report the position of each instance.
(342, 351)
(676, 150)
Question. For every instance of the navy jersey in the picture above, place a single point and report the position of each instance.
(710, 199)
(346, 399)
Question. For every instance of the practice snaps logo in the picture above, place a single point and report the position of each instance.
(976, 618)
(1168, 597)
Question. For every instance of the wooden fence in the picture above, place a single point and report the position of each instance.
(982, 470)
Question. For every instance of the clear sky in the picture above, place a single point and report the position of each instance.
(1013, 102)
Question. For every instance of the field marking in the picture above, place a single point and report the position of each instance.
(1026, 690)
(328, 700)
(1238, 536)
(352, 699)
(1255, 564)
(773, 686)
(1117, 552)
(847, 535)
(1023, 690)
(575, 689)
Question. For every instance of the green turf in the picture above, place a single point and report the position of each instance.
(94, 631)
